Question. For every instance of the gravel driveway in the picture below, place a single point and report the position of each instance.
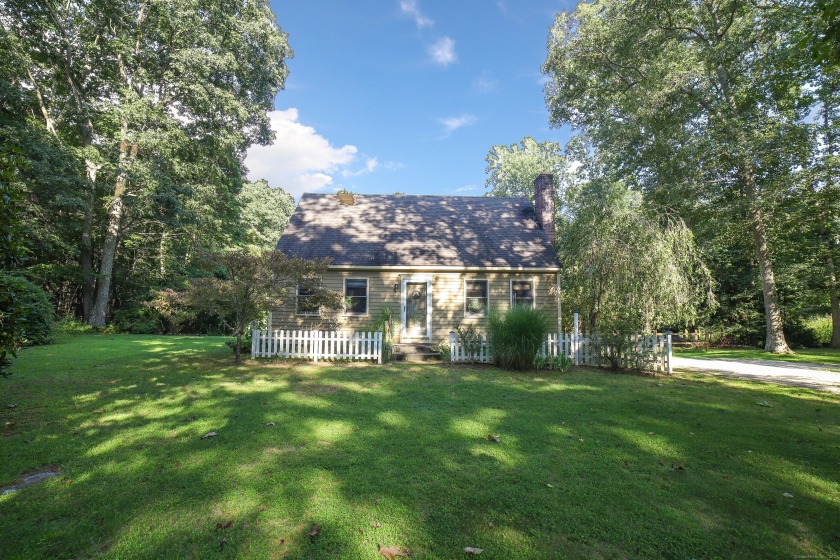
(812, 376)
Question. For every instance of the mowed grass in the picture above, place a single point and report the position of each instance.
(590, 464)
(822, 356)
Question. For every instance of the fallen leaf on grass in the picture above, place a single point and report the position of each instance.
(315, 531)
(98, 411)
(376, 525)
(209, 435)
(473, 550)
(764, 403)
(361, 531)
(261, 508)
(550, 485)
(227, 525)
(11, 406)
(391, 552)
(222, 543)
(787, 495)
(270, 423)
(651, 434)
(281, 540)
(491, 437)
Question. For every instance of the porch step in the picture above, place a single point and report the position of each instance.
(415, 352)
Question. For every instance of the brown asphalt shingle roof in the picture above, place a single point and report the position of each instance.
(403, 230)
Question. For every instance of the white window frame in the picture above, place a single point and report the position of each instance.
(487, 292)
(533, 290)
(297, 307)
(367, 296)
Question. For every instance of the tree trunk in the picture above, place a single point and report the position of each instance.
(86, 249)
(109, 247)
(775, 339)
(830, 206)
(835, 303)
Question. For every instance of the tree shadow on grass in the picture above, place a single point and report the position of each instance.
(397, 456)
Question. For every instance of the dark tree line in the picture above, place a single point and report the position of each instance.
(129, 122)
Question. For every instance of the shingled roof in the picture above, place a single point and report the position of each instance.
(402, 230)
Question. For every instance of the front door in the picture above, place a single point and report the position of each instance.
(416, 309)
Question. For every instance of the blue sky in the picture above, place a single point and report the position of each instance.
(405, 95)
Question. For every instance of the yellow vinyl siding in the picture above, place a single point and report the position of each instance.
(447, 299)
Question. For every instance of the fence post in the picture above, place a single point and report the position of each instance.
(254, 339)
(575, 338)
(670, 354)
(453, 347)
(378, 347)
(316, 345)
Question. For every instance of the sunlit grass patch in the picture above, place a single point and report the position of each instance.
(587, 464)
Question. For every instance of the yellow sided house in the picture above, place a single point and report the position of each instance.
(438, 261)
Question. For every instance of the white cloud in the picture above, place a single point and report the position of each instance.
(370, 165)
(451, 124)
(410, 9)
(466, 188)
(442, 51)
(300, 160)
(484, 84)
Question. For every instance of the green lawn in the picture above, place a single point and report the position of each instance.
(589, 464)
(824, 356)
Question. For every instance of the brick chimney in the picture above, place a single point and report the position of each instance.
(544, 203)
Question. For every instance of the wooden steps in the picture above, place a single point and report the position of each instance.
(415, 352)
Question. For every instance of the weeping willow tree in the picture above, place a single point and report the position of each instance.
(628, 268)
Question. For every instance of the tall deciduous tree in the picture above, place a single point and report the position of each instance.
(265, 213)
(160, 98)
(685, 89)
(628, 268)
(512, 169)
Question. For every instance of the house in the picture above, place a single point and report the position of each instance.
(438, 261)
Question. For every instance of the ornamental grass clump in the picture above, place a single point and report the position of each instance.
(516, 336)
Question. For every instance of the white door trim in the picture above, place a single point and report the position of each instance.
(416, 279)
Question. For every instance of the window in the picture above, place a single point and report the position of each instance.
(475, 298)
(355, 296)
(305, 303)
(522, 292)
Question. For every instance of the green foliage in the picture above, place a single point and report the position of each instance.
(628, 269)
(445, 351)
(156, 104)
(246, 342)
(387, 321)
(513, 169)
(703, 106)
(26, 316)
(141, 320)
(70, 325)
(820, 326)
(561, 363)
(470, 341)
(241, 284)
(516, 336)
(617, 350)
(810, 332)
(12, 228)
(265, 213)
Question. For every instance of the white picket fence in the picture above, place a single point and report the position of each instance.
(317, 345)
(648, 351)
